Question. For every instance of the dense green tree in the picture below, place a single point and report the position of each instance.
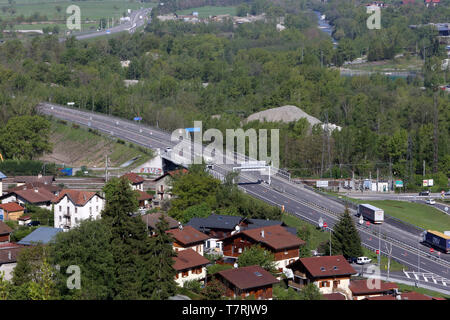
(256, 255)
(310, 292)
(345, 238)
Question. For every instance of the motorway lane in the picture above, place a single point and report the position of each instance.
(293, 203)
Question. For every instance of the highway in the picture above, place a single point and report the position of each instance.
(137, 19)
(297, 200)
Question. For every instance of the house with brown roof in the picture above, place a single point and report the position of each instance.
(145, 199)
(31, 185)
(186, 237)
(136, 181)
(246, 281)
(21, 180)
(8, 258)
(162, 186)
(331, 274)
(276, 239)
(73, 206)
(11, 211)
(151, 219)
(39, 197)
(369, 288)
(5, 232)
(189, 265)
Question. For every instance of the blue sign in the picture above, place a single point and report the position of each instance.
(192, 129)
(137, 119)
(1, 217)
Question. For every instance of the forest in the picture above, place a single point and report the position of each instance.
(190, 72)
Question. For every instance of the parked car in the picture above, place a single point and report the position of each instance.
(33, 223)
(430, 201)
(363, 260)
(424, 193)
(352, 259)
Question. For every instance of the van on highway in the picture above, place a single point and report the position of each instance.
(363, 260)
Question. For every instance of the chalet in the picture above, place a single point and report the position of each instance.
(42, 235)
(144, 199)
(360, 289)
(2, 176)
(162, 186)
(136, 181)
(246, 281)
(23, 220)
(188, 238)
(5, 232)
(11, 211)
(8, 258)
(216, 227)
(31, 185)
(39, 197)
(331, 274)
(189, 266)
(283, 244)
(151, 219)
(73, 206)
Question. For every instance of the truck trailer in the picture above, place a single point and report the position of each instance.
(369, 212)
(437, 239)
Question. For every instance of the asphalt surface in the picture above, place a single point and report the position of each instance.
(135, 22)
(296, 199)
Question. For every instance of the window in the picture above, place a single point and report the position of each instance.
(96, 208)
(60, 218)
(96, 199)
(240, 250)
(323, 284)
(76, 210)
(90, 210)
(185, 274)
(60, 208)
(76, 220)
(285, 252)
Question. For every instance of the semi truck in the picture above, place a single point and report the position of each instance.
(437, 239)
(369, 212)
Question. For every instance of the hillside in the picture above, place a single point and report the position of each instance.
(78, 147)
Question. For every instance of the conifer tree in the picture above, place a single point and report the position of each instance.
(162, 273)
(345, 238)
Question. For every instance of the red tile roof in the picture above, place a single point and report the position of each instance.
(275, 237)
(325, 266)
(32, 185)
(381, 298)
(144, 195)
(10, 254)
(78, 197)
(4, 228)
(248, 277)
(24, 218)
(361, 287)
(414, 296)
(11, 207)
(188, 235)
(31, 179)
(133, 177)
(37, 195)
(334, 296)
(188, 259)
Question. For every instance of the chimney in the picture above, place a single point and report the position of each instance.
(39, 176)
(180, 226)
(262, 233)
(36, 189)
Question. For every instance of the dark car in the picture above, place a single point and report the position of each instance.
(352, 259)
(33, 223)
(424, 193)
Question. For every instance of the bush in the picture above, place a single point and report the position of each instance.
(194, 286)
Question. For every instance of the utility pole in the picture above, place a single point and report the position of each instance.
(389, 251)
(106, 169)
(379, 246)
(378, 171)
(435, 135)
(424, 168)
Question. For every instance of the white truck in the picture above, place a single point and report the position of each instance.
(369, 212)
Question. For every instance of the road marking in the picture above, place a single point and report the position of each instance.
(406, 274)
(415, 275)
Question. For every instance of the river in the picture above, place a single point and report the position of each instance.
(325, 27)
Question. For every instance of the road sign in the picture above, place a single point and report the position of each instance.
(192, 129)
(320, 222)
(378, 251)
(431, 250)
(325, 225)
(321, 184)
(137, 119)
(368, 223)
(399, 184)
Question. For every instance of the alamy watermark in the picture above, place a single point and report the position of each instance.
(74, 20)
(374, 20)
(236, 146)
(74, 280)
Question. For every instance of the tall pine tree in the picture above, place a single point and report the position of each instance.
(162, 273)
(129, 241)
(345, 238)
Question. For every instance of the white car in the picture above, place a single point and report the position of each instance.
(431, 201)
(363, 260)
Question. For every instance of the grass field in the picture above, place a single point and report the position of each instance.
(410, 63)
(90, 10)
(316, 236)
(420, 215)
(205, 12)
(407, 288)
